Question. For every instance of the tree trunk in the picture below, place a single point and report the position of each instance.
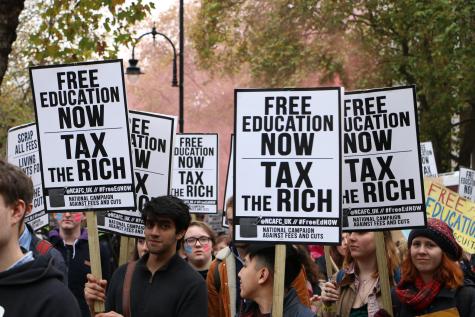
(9, 12)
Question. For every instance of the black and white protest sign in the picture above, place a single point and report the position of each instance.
(81, 117)
(429, 167)
(152, 137)
(195, 171)
(467, 183)
(287, 165)
(22, 151)
(228, 190)
(382, 178)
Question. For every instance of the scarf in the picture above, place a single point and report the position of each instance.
(422, 297)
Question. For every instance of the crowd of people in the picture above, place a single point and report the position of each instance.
(183, 268)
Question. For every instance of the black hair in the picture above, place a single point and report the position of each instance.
(265, 255)
(170, 207)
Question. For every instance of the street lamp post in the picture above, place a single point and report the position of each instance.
(134, 69)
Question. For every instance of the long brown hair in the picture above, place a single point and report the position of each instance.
(336, 256)
(448, 273)
(391, 255)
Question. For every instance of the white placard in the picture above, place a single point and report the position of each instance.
(152, 137)
(23, 152)
(467, 183)
(195, 171)
(429, 167)
(81, 116)
(382, 178)
(287, 165)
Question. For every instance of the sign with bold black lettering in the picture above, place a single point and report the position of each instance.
(195, 171)
(287, 165)
(81, 117)
(467, 183)
(382, 177)
(22, 151)
(429, 167)
(228, 190)
(152, 136)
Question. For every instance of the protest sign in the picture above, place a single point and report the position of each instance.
(22, 151)
(195, 171)
(152, 137)
(467, 183)
(287, 165)
(81, 117)
(382, 178)
(228, 190)
(215, 221)
(454, 210)
(429, 167)
(450, 180)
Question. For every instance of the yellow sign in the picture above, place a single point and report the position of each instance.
(454, 210)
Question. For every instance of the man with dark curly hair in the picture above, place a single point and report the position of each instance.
(160, 283)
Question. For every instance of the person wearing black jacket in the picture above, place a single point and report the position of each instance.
(72, 242)
(432, 280)
(35, 289)
(28, 286)
(161, 283)
(257, 282)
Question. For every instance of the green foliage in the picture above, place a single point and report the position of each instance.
(278, 40)
(62, 31)
(364, 43)
(75, 31)
(11, 114)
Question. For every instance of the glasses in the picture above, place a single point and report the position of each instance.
(191, 241)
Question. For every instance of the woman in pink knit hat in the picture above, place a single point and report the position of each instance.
(432, 280)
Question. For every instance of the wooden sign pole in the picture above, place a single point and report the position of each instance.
(381, 257)
(330, 265)
(124, 250)
(94, 253)
(328, 262)
(131, 248)
(279, 275)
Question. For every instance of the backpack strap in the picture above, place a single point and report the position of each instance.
(129, 272)
(217, 278)
(43, 247)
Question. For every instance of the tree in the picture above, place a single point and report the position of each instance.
(58, 31)
(364, 44)
(9, 12)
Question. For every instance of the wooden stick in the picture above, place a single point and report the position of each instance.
(328, 262)
(381, 257)
(279, 274)
(94, 253)
(330, 265)
(131, 249)
(124, 250)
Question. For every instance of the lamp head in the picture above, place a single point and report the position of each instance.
(133, 69)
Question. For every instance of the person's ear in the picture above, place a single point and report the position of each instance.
(19, 209)
(263, 275)
(180, 235)
(29, 208)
